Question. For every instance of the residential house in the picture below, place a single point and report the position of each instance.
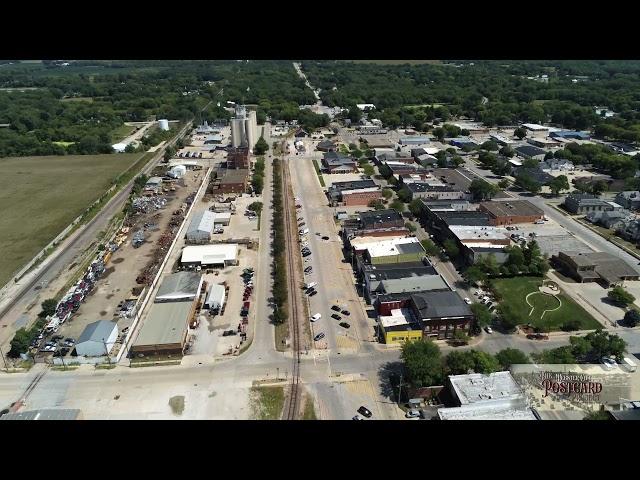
(529, 151)
(581, 203)
(335, 162)
(629, 199)
(600, 267)
(554, 164)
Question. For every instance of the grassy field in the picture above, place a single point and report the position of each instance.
(318, 172)
(514, 291)
(122, 132)
(267, 402)
(40, 196)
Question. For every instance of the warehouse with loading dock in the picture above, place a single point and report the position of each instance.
(165, 329)
(217, 255)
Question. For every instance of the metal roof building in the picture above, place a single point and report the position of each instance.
(440, 305)
(221, 254)
(165, 329)
(201, 226)
(97, 339)
(216, 297)
(179, 287)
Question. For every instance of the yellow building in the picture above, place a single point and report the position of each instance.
(399, 327)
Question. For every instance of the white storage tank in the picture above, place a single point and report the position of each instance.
(238, 136)
(251, 139)
(163, 124)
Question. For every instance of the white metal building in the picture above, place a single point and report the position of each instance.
(201, 226)
(97, 339)
(215, 298)
(221, 254)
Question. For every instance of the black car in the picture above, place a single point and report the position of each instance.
(336, 308)
(313, 293)
(346, 312)
(364, 411)
(309, 291)
(306, 254)
(319, 336)
(308, 269)
(325, 238)
(55, 338)
(336, 316)
(344, 325)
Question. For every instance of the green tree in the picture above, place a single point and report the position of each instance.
(19, 343)
(261, 147)
(599, 187)
(511, 356)
(461, 338)
(526, 182)
(510, 317)
(255, 207)
(415, 207)
(376, 204)
(451, 248)
(620, 296)
(490, 146)
(368, 170)
(554, 356)
(484, 362)
(507, 151)
(604, 344)
(422, 363)
(398, 205)
(475, 274)
(482, 314)
(430, 248)
(570, 325)
(459, 363)
(404, 194)
(632, 318)
(520, 133)
(482, 190)
(49, 307)
(561, 182)
(504, 183)
(387, 193)
(410, 226)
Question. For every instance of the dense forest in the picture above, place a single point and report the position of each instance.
(80, 105)
(494, 92)
(75, 107)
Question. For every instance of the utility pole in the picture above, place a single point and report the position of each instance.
(106, 351)
(399, 389)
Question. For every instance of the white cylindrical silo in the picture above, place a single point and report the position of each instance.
(163, 124)
(238, 135)
(251, 139)
(253, 122)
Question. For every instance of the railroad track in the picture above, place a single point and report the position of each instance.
(293, 400)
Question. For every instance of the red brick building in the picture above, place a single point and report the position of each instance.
(361, 197)
(238, 158)
(516, 211)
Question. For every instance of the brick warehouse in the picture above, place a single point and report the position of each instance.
(360, 197)
(506, 213)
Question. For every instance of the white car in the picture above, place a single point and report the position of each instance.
(413, 413)
(608, 363)
(316, 317)
(467, 301)
(488, 329)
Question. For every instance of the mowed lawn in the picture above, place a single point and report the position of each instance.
(40, 196)
(514, 291)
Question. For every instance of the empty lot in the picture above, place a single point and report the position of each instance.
(40, 196)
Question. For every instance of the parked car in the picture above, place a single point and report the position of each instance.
(608, 363)
(413, 413)
(346, 312)
(488, 329)
(364, 411)
(319, 336)
(467, 301)
(325, 238)
(537, 336)
(357, 417)
(315, 317)
(308, 291)
(308, 269)
(344, 325)
(336, 308)
(336, 316)
(313, 293)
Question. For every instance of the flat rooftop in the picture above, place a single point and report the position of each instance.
(44, 414)
(370, 219)
(365, 243)
(234, 176)
(440, 305)
(512, 208)
(398, 317)
(423, 283)
(478, 387)
(466, 232)
(465, 218)
(166, 324)
(505, 412)
(391, 271)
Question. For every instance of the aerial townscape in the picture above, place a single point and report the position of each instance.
(320, 240)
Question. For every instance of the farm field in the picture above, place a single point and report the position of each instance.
(515, 290)
(40, 196)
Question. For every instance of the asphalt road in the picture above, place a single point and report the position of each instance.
(592, 239)
(76, 246)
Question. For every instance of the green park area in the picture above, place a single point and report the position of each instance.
(122, 132)
(523, 300)
(40, 196)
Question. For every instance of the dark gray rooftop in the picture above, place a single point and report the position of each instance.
(352, 185)
(404, 248)
(530, 150)
(44, 414)
(417, 187)
(469, 218)
(370, 219)
(440, 304)
(179, 286)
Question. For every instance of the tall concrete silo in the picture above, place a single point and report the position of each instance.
(238, 132)
(163, 124)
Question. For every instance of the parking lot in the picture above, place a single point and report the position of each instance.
(240, 225)
(208, 336)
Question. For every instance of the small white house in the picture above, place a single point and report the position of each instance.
(97, 339)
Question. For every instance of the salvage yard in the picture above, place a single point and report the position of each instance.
(65, 185)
